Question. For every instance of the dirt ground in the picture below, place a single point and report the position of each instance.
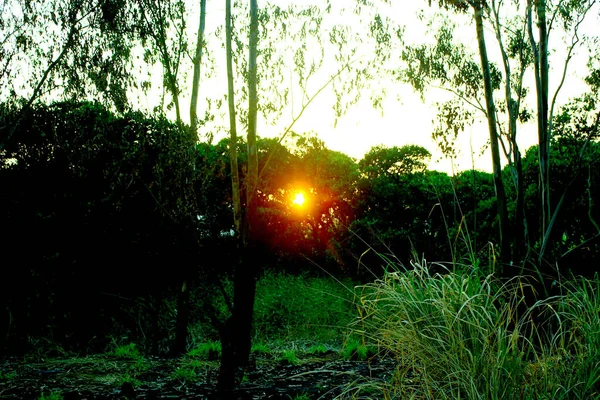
(105, 377)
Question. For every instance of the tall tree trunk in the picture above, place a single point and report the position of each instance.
(519, 227)
(252, 177)
(233, 157)
(245, 288)
(544, 139)
(236, 333)
(540, 53)
(522, 245)
(504, 231)
(197, 64)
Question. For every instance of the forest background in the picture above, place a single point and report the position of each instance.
(104, 178)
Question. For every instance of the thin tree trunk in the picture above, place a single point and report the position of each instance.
(236, 334)
(519, 227)
(182, 322)
(245, 287)
(504, 231)
(541, 63)
(233, 157)
(544, 139)
(252, 177)
(197, 65)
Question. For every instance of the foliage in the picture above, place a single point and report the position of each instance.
(394, 160)
(401, 213)
(574, 183)
(469, 335)
(102, 197)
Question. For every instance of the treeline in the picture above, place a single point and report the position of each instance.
(104, 214)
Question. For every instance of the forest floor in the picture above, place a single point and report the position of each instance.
(324, 376)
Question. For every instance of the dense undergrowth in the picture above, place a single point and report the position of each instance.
(451, 334)
(462, 335)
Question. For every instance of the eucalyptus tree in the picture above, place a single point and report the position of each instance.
(453, 67)
(197, 61)
(63, 49)
(567, 17)
(449, 64)
(282, 42)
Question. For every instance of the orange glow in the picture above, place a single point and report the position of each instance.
(299, 199)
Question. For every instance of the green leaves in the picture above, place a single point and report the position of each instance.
(381, 160)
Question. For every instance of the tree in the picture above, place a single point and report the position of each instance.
(200, 44)
(394, 160)
(271, 25)
(466, 81)
(103, 196)
(519, 49)
(570, 16)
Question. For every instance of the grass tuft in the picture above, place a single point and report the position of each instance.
(127, 352)
(210, 351)
(289, 357)
(51, 396)
(260, 349)
(461, 335)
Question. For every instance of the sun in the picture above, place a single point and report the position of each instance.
(299, 199)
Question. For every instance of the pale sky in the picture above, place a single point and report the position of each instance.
(406, 119)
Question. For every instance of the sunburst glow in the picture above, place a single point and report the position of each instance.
(299, 199)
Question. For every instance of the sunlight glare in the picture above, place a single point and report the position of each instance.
(299, 199)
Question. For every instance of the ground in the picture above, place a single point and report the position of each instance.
(106, 377)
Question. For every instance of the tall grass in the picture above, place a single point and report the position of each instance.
(461, 335)
(296, 308)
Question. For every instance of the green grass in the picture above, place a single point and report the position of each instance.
(127, 352)
(7, 376)
(318, 349)
(289, 357)
(51, 396)
(301, 308)
(210, 351)
(140, 366)
(185, 374)
(354, 350)
(460, 335)
(300, 397)
(260, 348)
(134, 382)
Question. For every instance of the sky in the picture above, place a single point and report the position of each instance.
(406, 118)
